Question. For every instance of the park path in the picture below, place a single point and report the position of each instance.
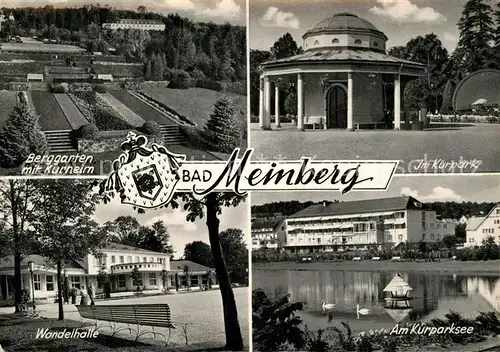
(127, 114)
(72, 113)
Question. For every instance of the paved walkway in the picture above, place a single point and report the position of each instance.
(202, 311)
(127, 114)
(71, 111)
(479, 141)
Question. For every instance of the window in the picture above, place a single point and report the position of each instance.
(144, 259)
(316, 42)
(152, 260)
(445, 226)
(335, 41)
(423, 236)
(122, 281)
(129, 259)
(113, 259)
(36, 280)
(152, 279)
(158, 260)
(432, 236)
(75, 282)
(49, 281)
(400, 237)
(375, 43)
(101, 260)
(357, 42)
(497, 211)
(194, 280)
(137, 259)
(122, 259)
(471, 240)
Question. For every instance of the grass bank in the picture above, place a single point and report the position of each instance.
(491, 267)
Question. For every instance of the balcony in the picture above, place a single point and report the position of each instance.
(142, 267)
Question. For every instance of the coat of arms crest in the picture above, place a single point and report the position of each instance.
(144, 177)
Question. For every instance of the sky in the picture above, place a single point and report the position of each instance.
(181, 231)
(400, 20)
(473, 188)
(218, 11)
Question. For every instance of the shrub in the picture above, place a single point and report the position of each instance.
(89, 132)
(209, 84)
(222, 130)
(198, 74)
(21, 136)
(99, 88)
(58, 88)
(152, 128)
(181, 83)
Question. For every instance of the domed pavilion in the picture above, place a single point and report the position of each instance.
(344, 78)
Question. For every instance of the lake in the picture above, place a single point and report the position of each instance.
(434, 295)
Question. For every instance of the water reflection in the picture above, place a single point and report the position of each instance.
(433, 296)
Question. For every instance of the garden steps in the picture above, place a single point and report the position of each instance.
(172, 134)
(60, 141)
(71, 111)
(126, 114)
(148, 101)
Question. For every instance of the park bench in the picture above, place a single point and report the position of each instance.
(396, 259)
(314, 121)
(34, 77)
(105, 77)
(375, 125)
(376, 258)
(154, 315)
(307, 259)
(356, 259)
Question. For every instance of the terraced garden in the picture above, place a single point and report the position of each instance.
(52, 117)
(7, 103)
(140, 108)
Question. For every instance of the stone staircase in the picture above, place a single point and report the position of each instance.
(172, 134)
(60, 141)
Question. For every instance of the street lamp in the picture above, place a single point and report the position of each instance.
(31, 266)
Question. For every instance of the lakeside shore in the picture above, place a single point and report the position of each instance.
(489, 268)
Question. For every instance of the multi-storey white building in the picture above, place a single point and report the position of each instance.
(359, 224)
(480, 228)
(117, 261)
(126, 23)
(266, 232)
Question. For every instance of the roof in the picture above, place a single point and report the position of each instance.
(343, 54)
(474, 222)
(359, 206)
(38, 260)
(342, 21)
(397, 284)
(139, 21)
(112, 246)
(266, 224)
(179, 265)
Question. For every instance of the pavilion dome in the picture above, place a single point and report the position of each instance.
(345, 30)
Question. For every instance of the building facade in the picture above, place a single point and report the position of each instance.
(359, 225)
(267, 232)
(146, 25)
(344, 78)
(157, 273)
(480, 228)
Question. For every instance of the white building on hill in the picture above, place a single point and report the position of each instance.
(479, 228)
(358, 224)
(126, 23)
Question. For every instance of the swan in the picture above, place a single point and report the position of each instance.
(326, 306)
(362, 311)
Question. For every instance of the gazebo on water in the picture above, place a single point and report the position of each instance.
(344, 78)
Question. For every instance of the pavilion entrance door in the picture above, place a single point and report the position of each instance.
(336, 107)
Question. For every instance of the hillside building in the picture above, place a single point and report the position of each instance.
(127, 23)
(480, 228)
(268, 232)
(358, 225)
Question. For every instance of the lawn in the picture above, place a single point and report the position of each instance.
(196, 103)
(7, 104)
(51, 116)
(41, 47)
(140, 108)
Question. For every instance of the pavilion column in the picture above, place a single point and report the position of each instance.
(267, 106)
(300, 102)
(277, 104)
(261, 105)
(397, 103)
(350, 98)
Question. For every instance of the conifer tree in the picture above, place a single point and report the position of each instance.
(447, 106)
(223, 130)
(147, 74)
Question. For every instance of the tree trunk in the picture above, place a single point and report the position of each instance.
(17, 249)
(17, 281)
(234, 341)
(59, 292)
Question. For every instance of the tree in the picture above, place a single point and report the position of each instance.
(148, 72)
(476, 32)
(257, 57)
(61, 219)
(141, 9)
(162, 237)
(497, 31)
(136, 277)
(447, 106)
(235, 254)
(124, 230)
(17, 210)
(450, 241)
(422, 247)
(198, 252)
(460, 232)
(21, 135)
(291, 104)
(284, 47)
(223, 130)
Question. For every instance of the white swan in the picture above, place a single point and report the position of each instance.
(362, 311)
(326, 306)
